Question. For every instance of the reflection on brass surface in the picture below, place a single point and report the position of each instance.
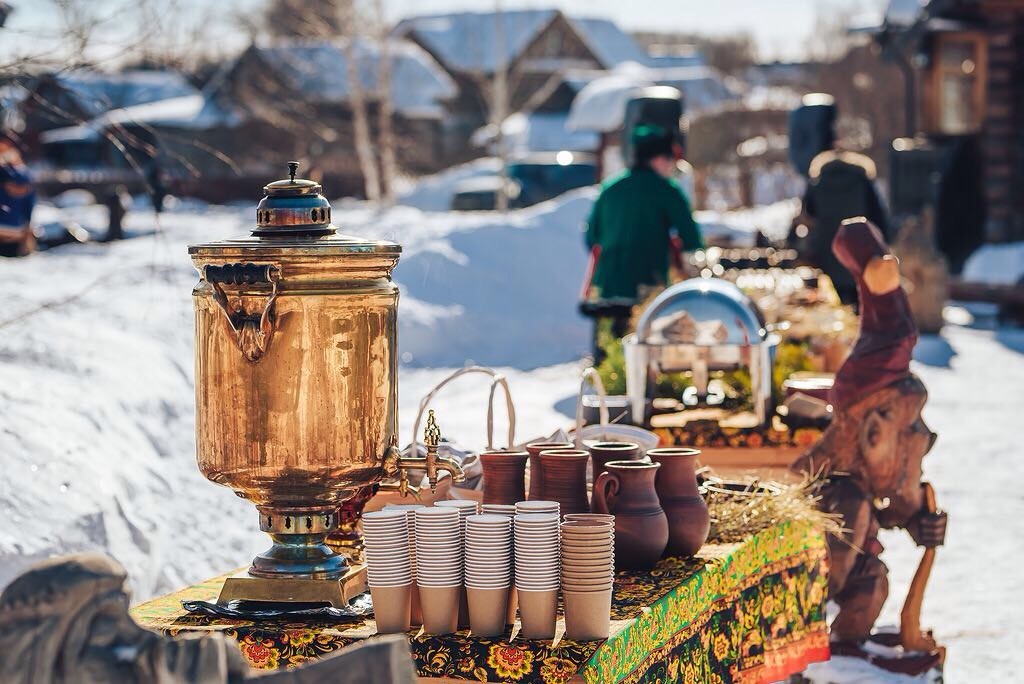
(244, 587)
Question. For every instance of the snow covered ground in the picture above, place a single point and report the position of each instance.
(96, 403)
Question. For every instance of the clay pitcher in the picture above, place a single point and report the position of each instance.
(602, 452)
(504, 476)
(565, 479)
(676, 484)
(536, 470)
(626, 490)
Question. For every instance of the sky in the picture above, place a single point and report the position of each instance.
(781, 28)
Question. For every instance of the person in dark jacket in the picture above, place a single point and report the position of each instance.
(632, 222)
(17, 200)
(840, 186)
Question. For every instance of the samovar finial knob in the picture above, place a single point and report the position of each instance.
(432, 433)
(293, 168)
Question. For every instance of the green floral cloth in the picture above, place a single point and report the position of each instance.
(750, 612)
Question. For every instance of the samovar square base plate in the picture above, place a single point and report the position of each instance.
(244, 587)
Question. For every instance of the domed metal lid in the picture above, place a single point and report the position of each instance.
(703, 312)
(293, 219)
(293, 206)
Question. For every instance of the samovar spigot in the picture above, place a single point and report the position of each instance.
(435, 463)
(395, 463)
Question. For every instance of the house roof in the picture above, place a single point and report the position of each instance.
(609, 43)
(98, 92)
(320, 69)
(469, 41)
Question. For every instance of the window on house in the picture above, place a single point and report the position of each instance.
(959, 84)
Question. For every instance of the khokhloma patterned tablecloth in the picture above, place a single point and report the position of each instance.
(749, 612)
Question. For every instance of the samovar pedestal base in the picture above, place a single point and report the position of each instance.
(336, 592)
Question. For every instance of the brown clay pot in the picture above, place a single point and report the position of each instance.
(602, 452)
(504, 476)
(536, 470)
(626, 490)
(676, 484)
(565, 479)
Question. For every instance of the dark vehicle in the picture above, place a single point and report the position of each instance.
(531, 180)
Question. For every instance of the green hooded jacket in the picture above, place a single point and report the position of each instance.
(630, 221)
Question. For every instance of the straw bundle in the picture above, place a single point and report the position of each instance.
(741, 509)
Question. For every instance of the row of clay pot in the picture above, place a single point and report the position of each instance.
(656, 503)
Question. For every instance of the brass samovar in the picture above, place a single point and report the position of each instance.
(296, 385)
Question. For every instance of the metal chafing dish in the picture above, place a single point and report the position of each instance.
(296, 385)
(699, 326)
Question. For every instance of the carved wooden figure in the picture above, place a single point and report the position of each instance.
(872, 452)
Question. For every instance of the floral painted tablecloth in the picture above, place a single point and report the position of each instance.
(750, 612)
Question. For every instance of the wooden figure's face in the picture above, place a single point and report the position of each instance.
(893, 441)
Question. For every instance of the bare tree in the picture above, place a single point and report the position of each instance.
(499, 100)
(385, 110)
(357, 99)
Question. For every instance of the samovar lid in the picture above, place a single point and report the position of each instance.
(292, 217)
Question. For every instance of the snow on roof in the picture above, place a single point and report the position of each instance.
(418, 83)
(468, 41)
(98, 92)
(601, 105)
(190, 111)
(609, 43)
(903, 13)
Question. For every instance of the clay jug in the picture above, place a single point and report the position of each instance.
(602, 452)
(626, 490)
(565, 479)
(676, 484)
(504, 476)
(536, 470)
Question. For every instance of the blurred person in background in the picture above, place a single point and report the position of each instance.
(17, 200)
(640, 223)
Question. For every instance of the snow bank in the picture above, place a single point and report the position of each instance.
(999, 264)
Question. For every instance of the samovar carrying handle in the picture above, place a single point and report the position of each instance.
(590, 374)
(497, 380)
(252, 330)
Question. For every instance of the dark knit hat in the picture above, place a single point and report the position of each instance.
(650, 141)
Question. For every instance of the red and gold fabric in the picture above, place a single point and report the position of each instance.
(750, 612)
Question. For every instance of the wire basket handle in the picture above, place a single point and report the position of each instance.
(497, 379)
(591, 375)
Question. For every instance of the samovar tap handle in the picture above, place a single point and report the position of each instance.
(432, 439)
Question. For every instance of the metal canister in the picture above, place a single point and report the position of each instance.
(296, 371)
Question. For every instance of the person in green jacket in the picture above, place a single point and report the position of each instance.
(632, 221)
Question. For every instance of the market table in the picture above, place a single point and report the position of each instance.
(748, 612)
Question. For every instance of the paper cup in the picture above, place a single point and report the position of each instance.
(601, 517)
(487, 611)
(391, 608)
(440, 607)
(587, 614)
(537, 611)
(512, 606)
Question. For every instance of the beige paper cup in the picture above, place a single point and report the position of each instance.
(600, 517)
(537, 610)
(487, 609)
(587, 614)
(391, 608)
(440, 608)
(512, 606)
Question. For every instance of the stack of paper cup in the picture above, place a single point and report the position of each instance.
(536, 572)
(488, 572)
(466, 508)
(512, 606)
(537, 506)
(388, 569)
(416, 612)
(439, 552)
(588, 572)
